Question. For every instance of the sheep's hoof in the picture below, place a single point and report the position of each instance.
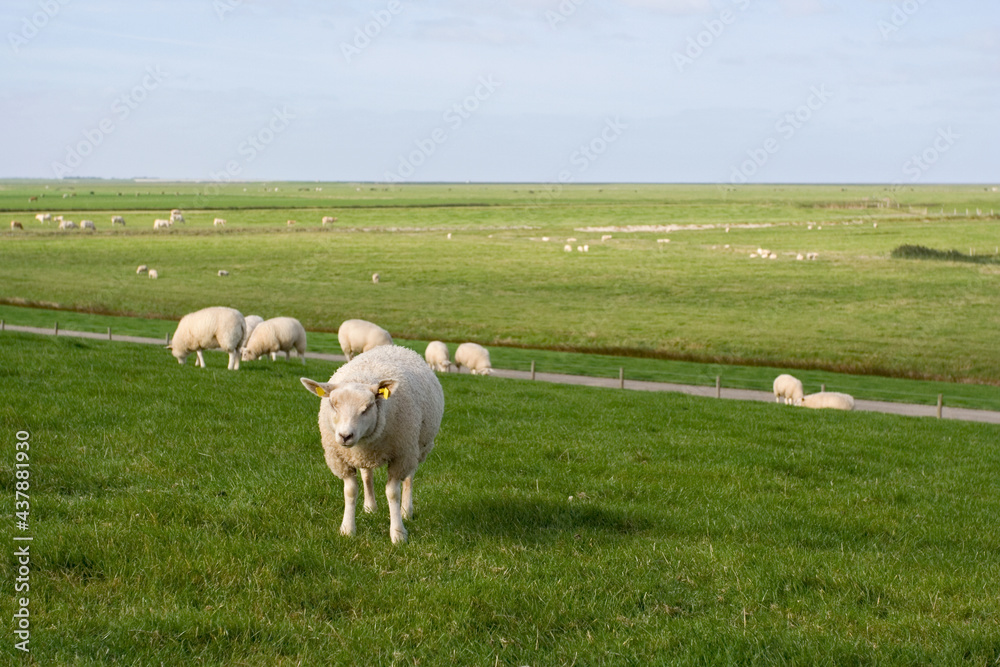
(398, 535)
(370, 509)
(347, 531)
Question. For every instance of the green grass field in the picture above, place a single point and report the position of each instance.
(186, 516)
(495, 281)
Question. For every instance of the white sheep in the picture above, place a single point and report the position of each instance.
(88, 224)
(43, 217)
(829, 399)
(117, 220)
(67, 224)
(162, 224)
(436, 356)
(278, 334)
(357, 336)
(567, 248)
(142, 268)
(384, 407)
(251, 323)
(209, 329)
(328, 220)
(223, 273)
(219, 222)
(789, 388)
(375, 278)
(176, 215)
(154, 274)
(475, 357)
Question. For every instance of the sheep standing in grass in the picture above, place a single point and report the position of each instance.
(475, 357)
(829, 399)
(436, 356)
(789, 388)
(117, 220)
(142, 268)
(251, 323)
(278, 334)
(162, 224)
(384, 407)
(87, 224)
(357, 336)
(154, 274)
(209, 329)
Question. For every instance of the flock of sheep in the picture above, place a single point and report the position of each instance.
(789, 388)
(160, 223)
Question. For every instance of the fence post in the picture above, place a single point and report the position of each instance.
(718, 386)
(621, 377)
(822, 387)
(168, 338)
(55, 331)
(532, 369)
(940, 405)
(2, 325)
(109, 333)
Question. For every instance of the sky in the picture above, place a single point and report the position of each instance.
(570, 91)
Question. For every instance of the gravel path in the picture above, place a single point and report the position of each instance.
(907, 409)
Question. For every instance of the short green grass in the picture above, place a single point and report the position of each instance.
(185, 516)
(898, 390)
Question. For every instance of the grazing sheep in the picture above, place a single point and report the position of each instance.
(162, 224)
(800, 257)
(251, 323)
(209, 329)
(219, 222)
(567, 248)
(789, 388)
(278, 334)
(154, 274)
(605, 237)
(475, 357)
(88, 224)
(117, 220)
(328, 220)
(14, 224)
(67, 224)
(142, 268)
(176, 216)
(384, 407)
(57, 218)
(829, 399)
(436, 356)
(375, 278)
(357, 336)
(812, 255)
(290, 223)
(223, 273)
(43, 217)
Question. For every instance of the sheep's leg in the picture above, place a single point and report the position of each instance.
(274, 356)
(368, 477)
(201, 359)
(407, 507)
(392, 492)
(348, 526)
(234, 361)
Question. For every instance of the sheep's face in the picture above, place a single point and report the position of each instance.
(354, 410)
(246, 355)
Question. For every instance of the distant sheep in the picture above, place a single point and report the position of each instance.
(154, 274)
(384, 407)
(219, 222)
(278, 334)
(162, 224)
(223, 273)
(789, 388)
(43, 217)
(142, 268)
(357, 336)
(88, 224)
(828, 399)
(567, 248)
(14, 224)
(176, 215)
(375, 278)
(328, 220)
(436, 356)
(209, 329)
(475, 357)
(290, 223)
(117, 220)
(67, 224)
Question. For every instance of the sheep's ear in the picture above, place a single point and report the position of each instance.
(321, 389)
(385, 388)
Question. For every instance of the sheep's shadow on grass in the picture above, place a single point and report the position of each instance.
(541, 520)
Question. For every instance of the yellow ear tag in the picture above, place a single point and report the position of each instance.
(383, 392)
(320, 391)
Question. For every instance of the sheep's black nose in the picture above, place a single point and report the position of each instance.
(346, 437)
